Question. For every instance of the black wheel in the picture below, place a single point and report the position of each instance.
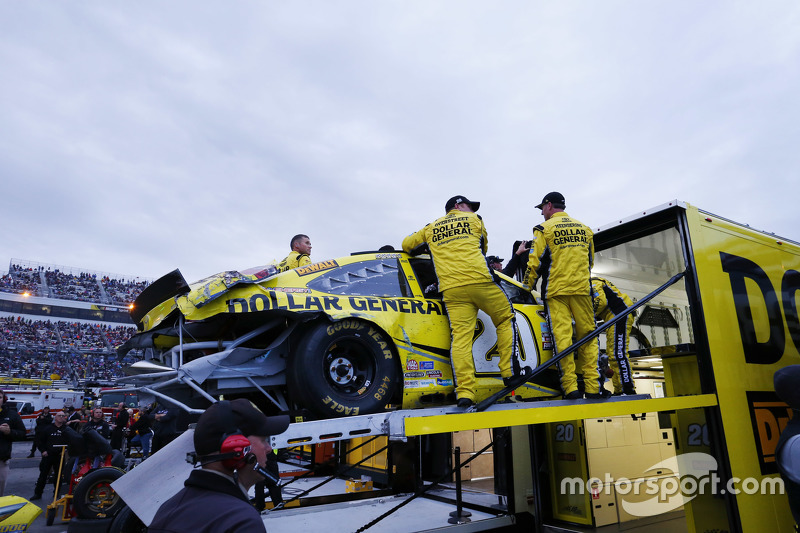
(50, 517)
(344, 368)
(93, 497)
(127, 522)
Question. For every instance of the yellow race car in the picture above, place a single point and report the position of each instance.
(353, 335)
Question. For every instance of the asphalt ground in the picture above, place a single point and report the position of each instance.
(22, 476)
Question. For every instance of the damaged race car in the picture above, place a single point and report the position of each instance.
(348, 336)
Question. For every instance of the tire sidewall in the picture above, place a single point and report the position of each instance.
(91, 479)
(309, 384)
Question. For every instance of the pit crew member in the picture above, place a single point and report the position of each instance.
(608, 302)
(562, 255)
(457, 243)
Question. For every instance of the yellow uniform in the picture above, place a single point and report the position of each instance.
(458, 242)
(562, 255)
(608, 302)
(293, 260)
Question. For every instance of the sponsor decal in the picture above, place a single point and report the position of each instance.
(316, 267)
(288, 299)
(426, 365)
(434, 373)
(444, 382)
(291, 289)
(413, 375)
(412, 364)
(769, 415)
(781, 306)
(416, 384)
(449, 228)
(427, 382)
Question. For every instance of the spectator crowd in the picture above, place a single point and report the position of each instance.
(73, 350)
(50, 282)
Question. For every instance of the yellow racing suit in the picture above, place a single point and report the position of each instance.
(293, 260)
(562, 255)
(458, 242)
(609, 301)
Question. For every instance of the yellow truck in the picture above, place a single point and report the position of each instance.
(703, 351)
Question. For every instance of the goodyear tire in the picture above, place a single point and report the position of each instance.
(93, 497)
(345, 368)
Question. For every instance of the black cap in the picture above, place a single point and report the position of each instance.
(556, 198)
(226, 418)
(460, 199)
(786, 385)
(494, 259)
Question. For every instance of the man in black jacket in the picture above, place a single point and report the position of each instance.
(120, 423)
(42, 421)
(230, 441)
(98, 423)
(53, 439)
(11, 429)
(164, 420)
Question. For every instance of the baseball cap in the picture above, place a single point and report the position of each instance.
(225, 418)
(785, 381)
(460, 199)
(494, 259)
(555, 197)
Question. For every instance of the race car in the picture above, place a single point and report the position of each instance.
(354, 335)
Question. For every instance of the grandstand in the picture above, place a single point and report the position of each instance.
(65, 322)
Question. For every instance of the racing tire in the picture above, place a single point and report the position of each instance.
(93, 497)
(126, 521)
(345, 368)
(50, 516)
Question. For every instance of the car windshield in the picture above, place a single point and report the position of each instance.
(373, 277)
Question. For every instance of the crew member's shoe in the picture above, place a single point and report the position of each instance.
(598, 395)
(464, 403)
(526, 371)
(31, 455)
(574, 395)
(35, 497)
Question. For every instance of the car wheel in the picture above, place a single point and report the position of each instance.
(344, 368)
(127, 522)
(93, 496)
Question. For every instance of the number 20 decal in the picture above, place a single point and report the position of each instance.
(698, 435)
(565, 432)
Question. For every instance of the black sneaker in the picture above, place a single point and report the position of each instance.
(35, 497)
(464, 403)
(30, 455)
(526, 371)
(574, 395)
(598, 395)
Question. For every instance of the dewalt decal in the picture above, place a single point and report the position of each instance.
(769, 351)
(769, 416)
(316, 267)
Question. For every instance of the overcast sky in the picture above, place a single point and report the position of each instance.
(139, 137)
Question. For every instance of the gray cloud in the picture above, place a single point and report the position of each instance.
(142, 137)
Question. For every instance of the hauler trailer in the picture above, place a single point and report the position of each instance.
(704, 350)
